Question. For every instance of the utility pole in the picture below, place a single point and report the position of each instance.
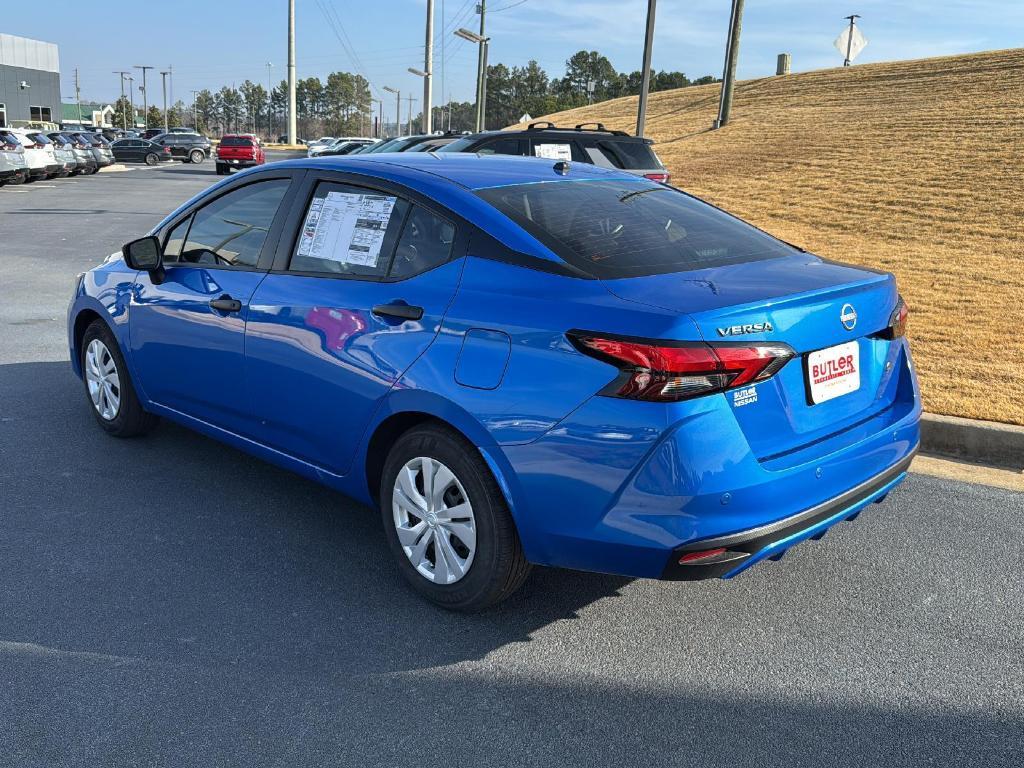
(398, 108)
(645, 81)
(732, 54)
(270, 101)
(195, 112)
(124, 115)
(428, 71)
(78, 99)
(163, 82)
(145, 96)
(292, 136)
(170, 84)
(481, 69)
(849, 41)
(131, 101)
(408, 122)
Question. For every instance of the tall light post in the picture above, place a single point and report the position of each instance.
(398, 108)
(145, 96)
(428, 74)
(270, 100)
(481, 77)
(195, 111)
(124, 115)
(645, 80)
(427, 118)
(292, 135)
(131, 101)
(163, 79)
(380, 120)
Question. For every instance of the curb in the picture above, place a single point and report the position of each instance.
(985, 442)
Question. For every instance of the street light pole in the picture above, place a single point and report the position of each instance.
(481, 94)
(428, 67)
(163, 79)
(131, 101)
(124, 115)
(645, 80)
(292, 136)
(145, 96)
(398, 109)
(408, 121)
(195, 112)
(270, 101)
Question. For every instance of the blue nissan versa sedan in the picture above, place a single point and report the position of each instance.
(518, 360)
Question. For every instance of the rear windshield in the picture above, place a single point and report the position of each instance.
(623, 228)
(629, 155)
(460, 145)
(235, 141)
(40, 138)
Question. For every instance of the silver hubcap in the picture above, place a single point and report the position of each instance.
(102, 379)
(434, 520)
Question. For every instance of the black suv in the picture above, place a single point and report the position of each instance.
(586, 143)
(187, 147)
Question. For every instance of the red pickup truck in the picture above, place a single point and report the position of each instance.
(241, 150)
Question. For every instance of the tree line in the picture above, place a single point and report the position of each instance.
(343, 104)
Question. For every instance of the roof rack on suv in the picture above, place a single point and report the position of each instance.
(539, 125)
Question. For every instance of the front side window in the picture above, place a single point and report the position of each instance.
(231, 230)
(625, 228)
(350, 231)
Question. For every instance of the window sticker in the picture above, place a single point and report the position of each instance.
(553, 151)
(346, 227)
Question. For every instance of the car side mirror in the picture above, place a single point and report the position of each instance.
(144, 254)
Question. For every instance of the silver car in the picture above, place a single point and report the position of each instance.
(101, 154)
(64, 157)
(13, 166)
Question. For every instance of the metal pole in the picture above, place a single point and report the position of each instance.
(292, 135)
(731, 57)
(78, 99)
(408, 115)
(131, 101)
(485, 45)
(428, 69)
(645, 81)
(481, 71)
(145, 96)
(270, 101)
(849, 40)
(398, 113)
(163, 80)
(124, 115)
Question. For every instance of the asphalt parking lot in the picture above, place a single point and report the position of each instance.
(170, 601)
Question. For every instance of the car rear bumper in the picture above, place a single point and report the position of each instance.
(237, 162)
(743, 549)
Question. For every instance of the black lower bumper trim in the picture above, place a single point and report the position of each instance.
(741, 545)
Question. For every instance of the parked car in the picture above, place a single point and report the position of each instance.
(346, 147)
(317, 148)
(65, 149)
(13, 168)
(518, 360)
(401, 143)
(186, 147)
(64, 156)
(140, 151)
(586, 143)
(239, 151)
(97, 145)
(320, 143)
(83, 149)
(151, 133)
(283, 139)
(39, 157)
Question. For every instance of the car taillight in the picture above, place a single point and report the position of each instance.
(167, 150)
(665, 371)
(659, 177)
(898, 320)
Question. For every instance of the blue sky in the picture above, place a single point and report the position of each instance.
(211, 44)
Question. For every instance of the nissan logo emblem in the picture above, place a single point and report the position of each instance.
(848, 317)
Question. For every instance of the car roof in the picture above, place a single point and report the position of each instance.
(465, 169)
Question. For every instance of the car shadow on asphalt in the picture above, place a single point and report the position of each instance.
(176, 548)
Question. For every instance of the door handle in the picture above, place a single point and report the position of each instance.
(400, 311)
(226, 304)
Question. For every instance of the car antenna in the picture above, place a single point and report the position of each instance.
(562, 167)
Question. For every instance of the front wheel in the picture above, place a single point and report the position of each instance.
(447, 522)
(196, 157)
(152, 159)
(108, 385)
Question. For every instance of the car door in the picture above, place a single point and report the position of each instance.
(187, 325)
(359, 289)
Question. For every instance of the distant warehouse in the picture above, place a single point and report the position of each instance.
(29, 82)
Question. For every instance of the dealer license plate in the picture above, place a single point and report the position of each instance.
(833, 372)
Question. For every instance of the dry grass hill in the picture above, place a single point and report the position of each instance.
(912, 166)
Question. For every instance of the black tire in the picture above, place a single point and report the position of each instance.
(130, 420)
(197, 156)
(222, 170)
(152, 159)
(498, 567)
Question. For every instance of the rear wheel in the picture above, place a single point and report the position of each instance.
(221, 169)
(447, 522)
(108, 385)
(152, 159)
(196, 156)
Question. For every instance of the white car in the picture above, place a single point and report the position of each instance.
(320, 144)
(41, 160)
(317, 146)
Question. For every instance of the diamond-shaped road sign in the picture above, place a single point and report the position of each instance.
(858, 44)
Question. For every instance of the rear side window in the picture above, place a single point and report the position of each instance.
(558, 149)
(623, 228)
(426, 242)
(629, 155)
(502, 147)
(349, 231)
(40, 138)
(231, 230)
